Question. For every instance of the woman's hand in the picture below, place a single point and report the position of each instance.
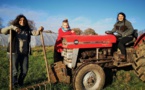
(72, 31)
(18, 30)
(41, 29)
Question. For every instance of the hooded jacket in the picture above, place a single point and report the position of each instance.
(61, 33)
(123, 28)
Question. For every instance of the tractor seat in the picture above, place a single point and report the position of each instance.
(131, 42)
(135, 35)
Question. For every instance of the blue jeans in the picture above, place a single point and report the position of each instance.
(19, 60)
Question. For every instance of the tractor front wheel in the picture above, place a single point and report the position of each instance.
(89, 77)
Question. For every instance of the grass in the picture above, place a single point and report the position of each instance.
(124, 80)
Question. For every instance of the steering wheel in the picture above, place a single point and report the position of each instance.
(108, 32)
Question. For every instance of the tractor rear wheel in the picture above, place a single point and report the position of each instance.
(89, 77)
(139, 67)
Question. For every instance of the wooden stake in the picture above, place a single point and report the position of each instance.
(10, 67)
(44, 51)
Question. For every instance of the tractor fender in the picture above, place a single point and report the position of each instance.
(139, 39)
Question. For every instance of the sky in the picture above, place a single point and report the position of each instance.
(99, 15)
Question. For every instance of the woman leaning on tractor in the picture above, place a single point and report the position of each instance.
(124, 30)
(21, 33)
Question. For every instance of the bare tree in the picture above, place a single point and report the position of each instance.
(90, 31)
(0, 22)
(78, 31)
(141, 32)
(30, 22)
(10, 22)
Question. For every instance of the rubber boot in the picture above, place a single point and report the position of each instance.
(21, 79)
(15, 82)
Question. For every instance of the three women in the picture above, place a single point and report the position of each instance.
(21, 33)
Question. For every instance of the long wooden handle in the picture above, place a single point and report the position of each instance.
(44, 51)
(11, 65)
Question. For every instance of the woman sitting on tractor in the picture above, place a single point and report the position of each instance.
(124, 30)
(64, 30)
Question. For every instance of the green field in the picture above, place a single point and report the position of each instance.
(123, 80)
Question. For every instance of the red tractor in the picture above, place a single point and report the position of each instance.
(86, 56)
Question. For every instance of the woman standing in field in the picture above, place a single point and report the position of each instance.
(21, 33)
(64, 30)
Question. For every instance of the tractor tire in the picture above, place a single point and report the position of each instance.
(89, 76)
(139, 68)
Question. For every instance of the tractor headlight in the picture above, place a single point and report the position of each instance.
(76, 42)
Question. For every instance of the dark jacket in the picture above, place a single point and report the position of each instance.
(124, 29)
(20, 42)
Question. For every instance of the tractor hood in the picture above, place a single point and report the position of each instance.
(88, 41)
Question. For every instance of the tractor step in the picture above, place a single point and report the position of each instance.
(121, 64)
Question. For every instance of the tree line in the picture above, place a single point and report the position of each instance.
(78, 31)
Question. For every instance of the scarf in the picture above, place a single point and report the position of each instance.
(65, 30)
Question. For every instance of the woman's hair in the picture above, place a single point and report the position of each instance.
(123, 16)
(16, 21)
(66, 21)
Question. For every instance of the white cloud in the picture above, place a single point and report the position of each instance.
(50, 22)
(81, 20)
(132, 20)
(99, 26)
(10, 12)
